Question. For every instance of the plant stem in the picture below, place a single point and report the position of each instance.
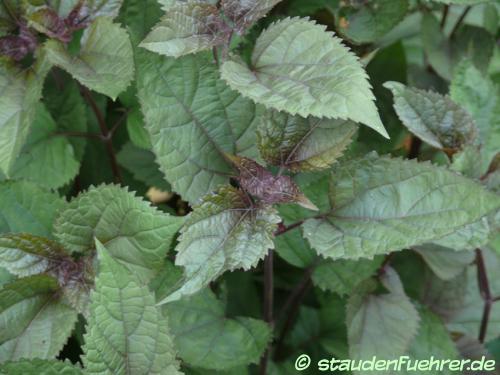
(459, 22)
(268, 305)
(292, 305)
(106, 135)
(445, 16)
(485, 291)
(285, 228)
(416, 144)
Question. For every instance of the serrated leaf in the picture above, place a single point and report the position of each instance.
(244, 13)
(432, 117)
(40, 366)
(46, 20)
(300, 68)
(187, 28)
(26, 207)
(136, 129)
(432, 341)
(126, 332)
(24, 254)
(135, 233)
(141, 163)
(223, 233)
(342, 276)
(19, 93)
(206, 338)
(301, 144)
(370, 21)
(381, 325)
(105, 61)
(469, 162)
(193, 119)
(446, 263)
(46, 159)
(481, 98)
(379, 205)
(33, 323)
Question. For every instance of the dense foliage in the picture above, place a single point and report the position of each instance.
(217, 187)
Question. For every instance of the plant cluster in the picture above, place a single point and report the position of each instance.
(216, 187)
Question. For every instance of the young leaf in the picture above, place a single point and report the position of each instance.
(139, 16)
(434, 118)
(300, 68)
(45, 158)
(269, 189)
(46, 20)
(342, 276)
(126, 332)
(25, 207)
(135, 234)
(381, 205)
(301, 144)
(223, 233)
(381, 325)
(40, 366)
(19, 93)
(244, 13)
(33, 323)
(24, 254)
(187, 28)
(370, 21)
(206, 338)
(98, 8)
(105, 61)
(481, 98)
(193, 119)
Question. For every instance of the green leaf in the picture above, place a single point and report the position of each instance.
(300, 68)
(206, 338)
(187, 28)
(141, 163)
(371, 20)
(481, 98)
(105, 8)
(193, 119)
(19, 93)
(470, 162)
(126, 332)
(381, 205)
(446, 263)
(432, 117)
(342, 276)
(28, 208)
(303, 144)
(381, 325)
(135, 233)
(68, 110)
(461, 2)
(33, 324)
(137, 130)
(468, 319)
(139, 16)
(24, 254)
(432, 341)
(244, 13)
(46, 159)
(105, 61)
(223, 233)
(40, 366)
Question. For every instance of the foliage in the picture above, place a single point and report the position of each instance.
(216, 187)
